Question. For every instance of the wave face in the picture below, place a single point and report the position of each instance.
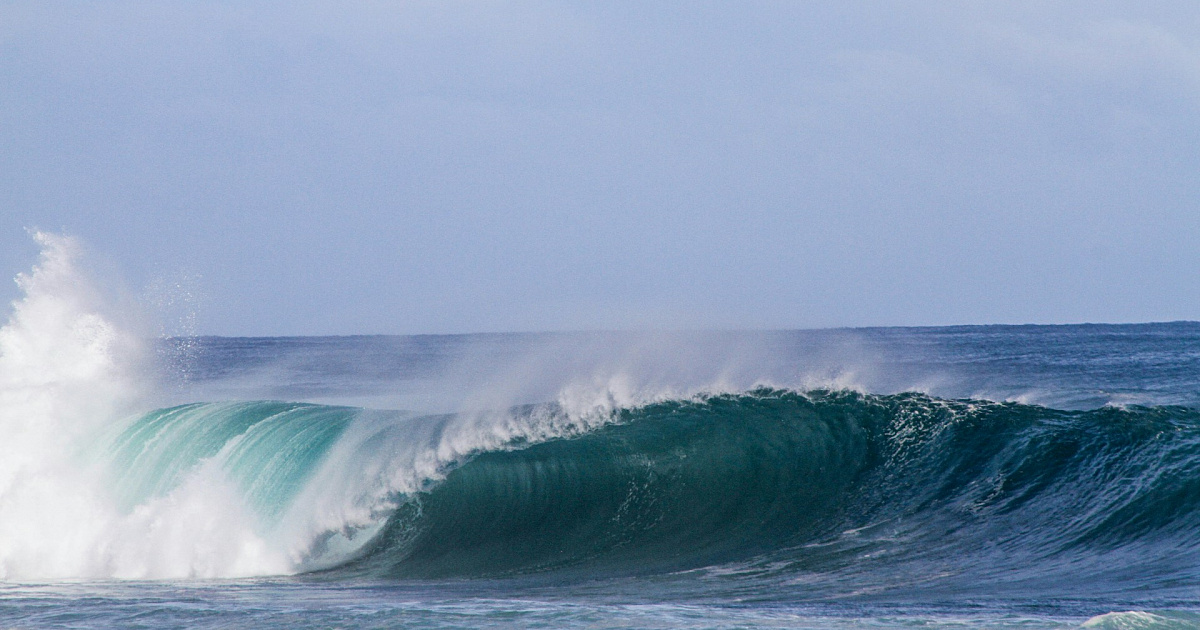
(670, 485)
(268, 449)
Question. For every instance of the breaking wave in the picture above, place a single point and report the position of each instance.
(834, 492)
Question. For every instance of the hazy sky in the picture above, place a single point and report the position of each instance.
(411, 167)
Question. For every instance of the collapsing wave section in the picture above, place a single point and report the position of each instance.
(68, 374)
(89, 488)
(316, 482)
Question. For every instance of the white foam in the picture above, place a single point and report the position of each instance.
(1137, 620)
(67, 374)
(69, 377)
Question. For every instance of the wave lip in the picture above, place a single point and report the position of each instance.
(669, 485)
(268, 449)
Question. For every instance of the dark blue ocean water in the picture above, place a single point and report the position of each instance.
(979, 476)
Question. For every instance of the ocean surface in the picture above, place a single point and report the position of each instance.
(955, 477)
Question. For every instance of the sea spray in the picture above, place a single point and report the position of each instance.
(90, 487)
(67, 374)
(385, 458)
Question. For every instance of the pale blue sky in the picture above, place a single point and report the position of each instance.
(413, 167)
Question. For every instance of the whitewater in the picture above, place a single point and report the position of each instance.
(976, 476)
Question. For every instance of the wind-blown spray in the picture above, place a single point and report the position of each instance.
(67, 377)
